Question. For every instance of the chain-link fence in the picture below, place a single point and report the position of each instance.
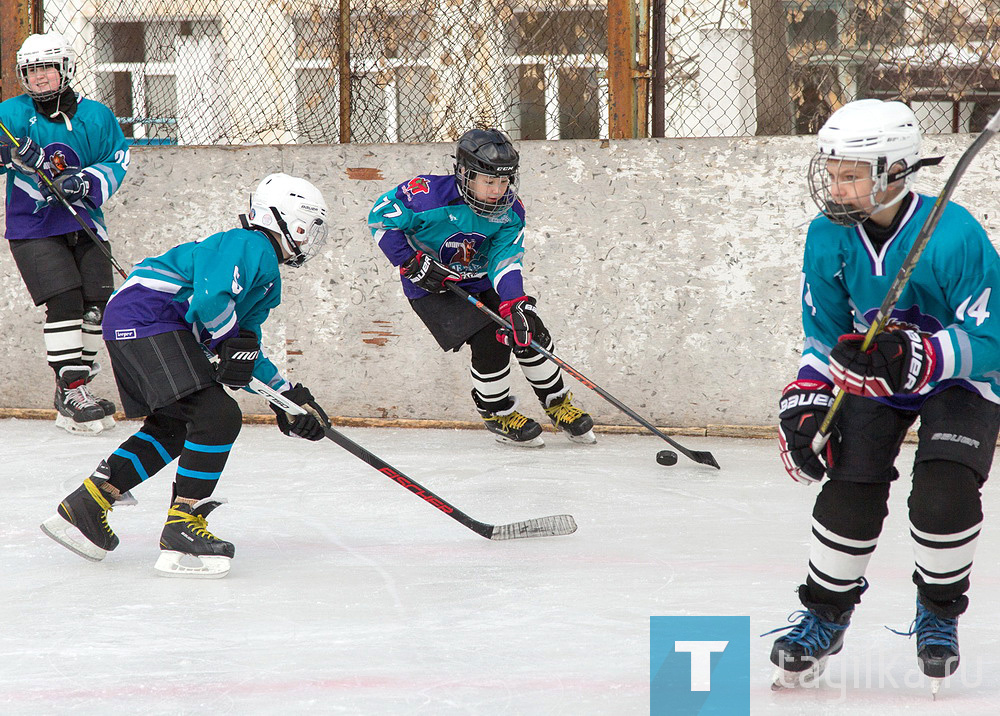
(246, 72)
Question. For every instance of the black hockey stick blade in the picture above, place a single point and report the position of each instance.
(552, 526)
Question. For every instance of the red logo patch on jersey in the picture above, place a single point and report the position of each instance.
(417, 185)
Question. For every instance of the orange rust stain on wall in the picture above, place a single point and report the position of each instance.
(365, 173)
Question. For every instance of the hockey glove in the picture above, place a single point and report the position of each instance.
(523, 318)
(310, 425)
(898, 361)
(428, 274)
(27, 158)
(74, 186)
(804, 405)
(237, 356)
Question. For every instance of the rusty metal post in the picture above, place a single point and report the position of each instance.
(18, 19)
(344, 63)
(658, 62)
(621, 69)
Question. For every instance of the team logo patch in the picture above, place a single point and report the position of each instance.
(417, 185)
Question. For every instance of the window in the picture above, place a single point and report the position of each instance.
(163, 80)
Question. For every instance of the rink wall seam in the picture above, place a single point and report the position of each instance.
(666, 269)
(762, 432)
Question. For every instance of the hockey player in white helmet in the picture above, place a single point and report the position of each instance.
(938, 360)
(78, 144)
(174, 311)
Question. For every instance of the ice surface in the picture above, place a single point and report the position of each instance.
(350, 595)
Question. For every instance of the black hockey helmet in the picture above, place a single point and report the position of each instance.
(488, 152)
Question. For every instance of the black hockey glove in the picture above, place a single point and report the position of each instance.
(27, 158)
(237, 356)
(428, 274)
(74, 185)
(804, 405)
(898, 361)
(311, 425)
(524, 322)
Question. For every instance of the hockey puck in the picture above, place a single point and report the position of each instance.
(666, 457)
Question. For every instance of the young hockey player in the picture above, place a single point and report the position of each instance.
(78, 144)
(938, 360)
(468, 227)
(198, 298)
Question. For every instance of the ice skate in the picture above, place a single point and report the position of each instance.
(510, 426)
(801, 655)
(187, 548)
(81, 521)
(578, 426)
(109, 408)
(77, 411)
(937, 645)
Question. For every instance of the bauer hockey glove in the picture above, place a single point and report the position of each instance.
(74, 186)
(237, 356)
(898, 361)
(523, 318)
(27, 158)
(804, 405)
(310, 425)
(428, 274)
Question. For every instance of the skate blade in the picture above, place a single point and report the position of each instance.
(588, 438)
(89, 428)
(126, 500)
(107, 422)
(535, 442)
(189, 566)
(784, 679)
(72, 539)
(935, 687)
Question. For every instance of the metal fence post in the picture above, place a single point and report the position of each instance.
(621, 68)
(18, 19)
(344, 60)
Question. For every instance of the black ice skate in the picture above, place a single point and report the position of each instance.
(802, 653)
(78, 412)
(510, 426)
(578, 426)
(109, 408)
(187, 548)
(937, 645)
(81, 521)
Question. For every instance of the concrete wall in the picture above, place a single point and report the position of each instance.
(667, 270)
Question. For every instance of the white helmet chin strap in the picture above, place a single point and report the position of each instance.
(297, 258)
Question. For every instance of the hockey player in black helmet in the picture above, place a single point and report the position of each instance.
(468, 227)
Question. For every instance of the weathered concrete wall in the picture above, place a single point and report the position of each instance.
(668, 271)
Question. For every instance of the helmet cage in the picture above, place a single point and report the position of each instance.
(821, 182)
(40, 51)
(466, 174)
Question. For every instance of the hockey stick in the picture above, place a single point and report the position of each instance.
(72, 210)
(910, 263)
(539, 527)
(704, 457)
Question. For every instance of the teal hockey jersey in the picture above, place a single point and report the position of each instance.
(95, 144)
(949, 296)
(212, 288)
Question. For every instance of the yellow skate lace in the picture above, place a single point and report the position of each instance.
(511, 421)
(198, 524)
(102, 501)
(564, 411)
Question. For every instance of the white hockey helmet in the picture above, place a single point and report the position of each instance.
(41, 51)
(883, 138)
(294, 211)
